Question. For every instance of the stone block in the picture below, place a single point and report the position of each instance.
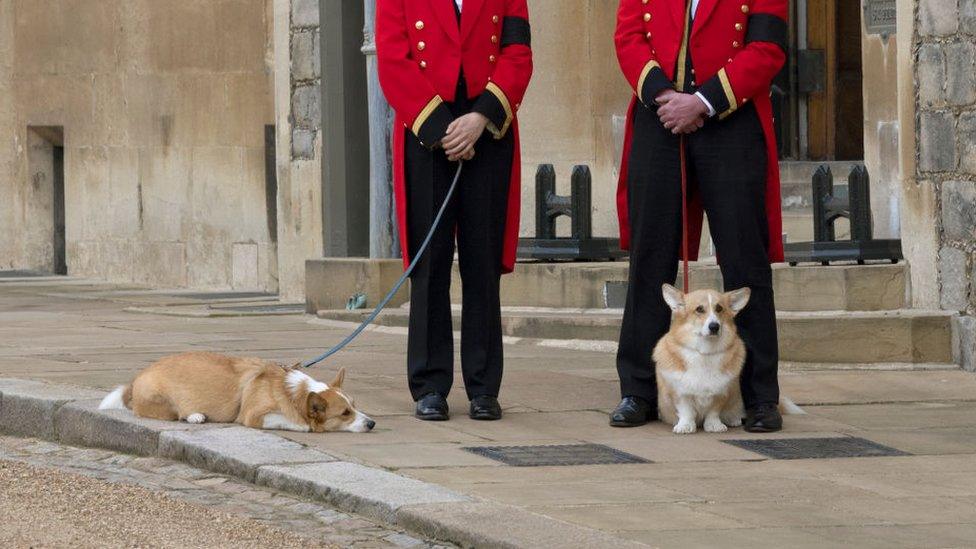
(937, 141)
(967, 142)
(244, 265)
(304, 13)
(329, 283)
(355, 488)
(960, 73)
(476, 524)
(959, 210)
(937, 17)
(306, 107)
(237, 451)
(83, 424)
(931, 75)
(305, 60)
(28, 408)
(966, 333)
(303, 144)
(967, 16)
(954, 287)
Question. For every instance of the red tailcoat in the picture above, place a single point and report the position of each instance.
(736, 47)
(421, 51)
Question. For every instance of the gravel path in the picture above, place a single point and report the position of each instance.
(60, 496)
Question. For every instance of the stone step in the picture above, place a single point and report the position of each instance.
(331, 282)
(604, 285)
(904, 336)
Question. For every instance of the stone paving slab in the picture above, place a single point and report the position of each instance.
(237, 451)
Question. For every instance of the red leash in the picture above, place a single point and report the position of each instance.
(684, 212)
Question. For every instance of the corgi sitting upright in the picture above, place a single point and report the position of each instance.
(699, 361)
(208, 387)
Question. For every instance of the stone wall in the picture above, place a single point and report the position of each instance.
(945, 72)
(163, 107)
(299, 145)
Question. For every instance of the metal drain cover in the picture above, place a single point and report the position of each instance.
(816, 448)
(569, 454)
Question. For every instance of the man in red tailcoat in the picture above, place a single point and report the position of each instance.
(701, 72)
(455, 72)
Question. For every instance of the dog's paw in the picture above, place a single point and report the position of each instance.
(684, 428)
(715, 426)
(196, 418)
(732, 421)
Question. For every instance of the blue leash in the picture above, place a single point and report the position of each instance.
(403, 278)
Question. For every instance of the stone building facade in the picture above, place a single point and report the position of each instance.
(944, 47)
(160, 112)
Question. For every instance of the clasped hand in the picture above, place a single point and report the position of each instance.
(462, 134)
(681, 112)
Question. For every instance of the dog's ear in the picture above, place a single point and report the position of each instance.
(316, 404)
(339, 378)
(738, 299)
(674, 297)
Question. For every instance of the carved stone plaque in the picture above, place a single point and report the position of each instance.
(880, 16)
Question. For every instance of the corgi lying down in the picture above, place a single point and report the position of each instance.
(699, 362)
(201, 387)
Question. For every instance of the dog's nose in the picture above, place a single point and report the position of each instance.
(714, 327)
(370, 424)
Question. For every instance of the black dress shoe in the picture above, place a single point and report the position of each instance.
(764, 418)
(432, 407)
(485, 408)
(632, 412)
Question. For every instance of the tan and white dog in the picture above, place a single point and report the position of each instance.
(699, 361)
(201, 387)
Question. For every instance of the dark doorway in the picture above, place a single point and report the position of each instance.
(44, 201)
(271, 182)
(345, 130)
(60, 260)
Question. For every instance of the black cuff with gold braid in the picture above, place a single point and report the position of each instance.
(489, 105)
(493, 103)
(719, 94)
(432, 122)
(652, 81)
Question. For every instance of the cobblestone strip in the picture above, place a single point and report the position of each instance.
(222, 493)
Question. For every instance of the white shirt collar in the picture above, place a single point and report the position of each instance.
(459, 2)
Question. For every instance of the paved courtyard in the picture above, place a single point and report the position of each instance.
(691, 491)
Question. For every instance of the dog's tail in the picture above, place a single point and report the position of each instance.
(789, 408)
(118, 399)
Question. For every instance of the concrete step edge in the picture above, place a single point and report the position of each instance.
(69, 414)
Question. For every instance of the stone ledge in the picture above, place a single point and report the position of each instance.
(476, 524)
(28, 408)
(372, 492)
(237, 451)
(81, 423)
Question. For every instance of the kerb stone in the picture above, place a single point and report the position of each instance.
(83, 424)
(237, 451)
(476, 524)
(355, 488)
(29, 407)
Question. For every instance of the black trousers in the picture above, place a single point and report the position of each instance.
(476, 217)
(726, 162)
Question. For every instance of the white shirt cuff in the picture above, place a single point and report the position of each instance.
(711, 110)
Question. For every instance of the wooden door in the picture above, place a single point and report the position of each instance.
(835, 119)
